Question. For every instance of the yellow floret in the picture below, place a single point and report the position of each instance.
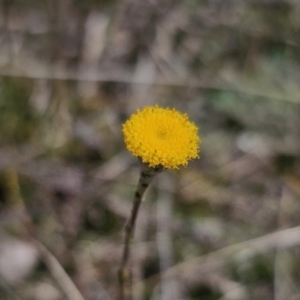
(161, 136)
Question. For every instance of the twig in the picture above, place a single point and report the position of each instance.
(204, 264)
(66, 284)
(35, 70)
(16, 201)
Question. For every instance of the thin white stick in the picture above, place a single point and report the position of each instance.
(66, 284)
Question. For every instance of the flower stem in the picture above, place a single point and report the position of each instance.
(146, 176)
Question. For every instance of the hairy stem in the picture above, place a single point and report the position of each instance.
(146, 176)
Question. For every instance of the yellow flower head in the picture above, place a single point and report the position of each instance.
(161, 136)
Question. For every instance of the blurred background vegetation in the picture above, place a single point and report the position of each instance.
(71, 72)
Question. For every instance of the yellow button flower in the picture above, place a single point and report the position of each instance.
(161, 136)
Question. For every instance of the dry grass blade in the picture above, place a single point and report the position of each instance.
(212, 261)
(62, 278)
